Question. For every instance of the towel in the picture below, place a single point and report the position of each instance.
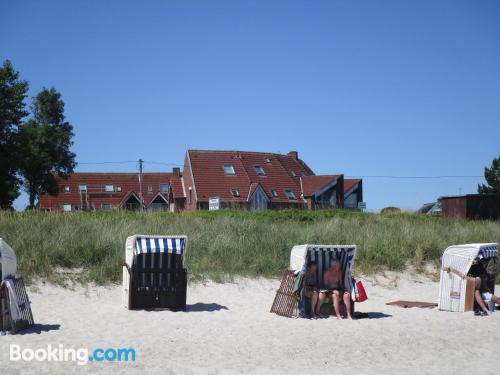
(13, 301)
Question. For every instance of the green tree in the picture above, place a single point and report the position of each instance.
(12, 110)
(44, 146)
(492, 177)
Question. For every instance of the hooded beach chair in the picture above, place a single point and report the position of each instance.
(456, 288)
(15, 309)
(286, 302)
(154, 275)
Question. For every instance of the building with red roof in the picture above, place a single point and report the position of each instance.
(233, 179)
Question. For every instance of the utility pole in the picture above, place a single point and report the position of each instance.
(140, 185)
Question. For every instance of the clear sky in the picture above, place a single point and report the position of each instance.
(405, 88)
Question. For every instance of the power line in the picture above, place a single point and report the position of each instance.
(413, 177)
(108, 162)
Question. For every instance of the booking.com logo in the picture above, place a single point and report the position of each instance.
(81, 356)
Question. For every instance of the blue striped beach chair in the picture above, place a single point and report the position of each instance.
(285, 303)
(154, 275)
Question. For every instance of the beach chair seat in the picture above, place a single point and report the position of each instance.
(22, 318)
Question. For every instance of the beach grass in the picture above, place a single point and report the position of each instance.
(89, 246)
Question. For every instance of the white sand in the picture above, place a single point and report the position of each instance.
(229, 330)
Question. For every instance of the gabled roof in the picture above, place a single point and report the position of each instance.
(282, 172)
(253, 188)
(350, 183)
(314, 184)
(177, 186)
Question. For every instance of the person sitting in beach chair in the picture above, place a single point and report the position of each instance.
(334, 288)
(483, 292)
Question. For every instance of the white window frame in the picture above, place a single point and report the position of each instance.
(228, 170)
(67, 189)
(259, 170)
(150, 188)
(233, 191)
(82, 188)
(290, 195)
(106, 204)
(118, 188)
(112, 190)
(167, 187)
(274, 193)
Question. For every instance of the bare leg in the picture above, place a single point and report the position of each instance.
(314, 301)
(321, 299)
(347, 302)
(335, 297)
(495, 299)
(480, 302)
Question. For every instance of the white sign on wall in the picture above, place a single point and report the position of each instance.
(362, 205)
(213, 203)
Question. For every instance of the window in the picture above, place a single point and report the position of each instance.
(259, 170)
(150, 188)
(235, 192)
(118, 188)
(293, 173)
(82, 188)
(290, 195)
(66, 189)
(106, 206)
(274, 193)
(267, 160)
(163, 188)
(109, 188)
(229, 169)
(66, 207)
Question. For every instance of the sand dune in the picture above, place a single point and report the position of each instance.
(228, 329)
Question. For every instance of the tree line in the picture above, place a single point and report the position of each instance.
(34, 144)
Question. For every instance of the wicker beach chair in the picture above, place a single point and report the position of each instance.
(154, 276)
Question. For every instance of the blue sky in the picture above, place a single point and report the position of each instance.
(405, 88)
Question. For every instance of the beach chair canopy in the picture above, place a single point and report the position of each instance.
(8, 261)
(323, 255)
(461, 257)
(143, 244)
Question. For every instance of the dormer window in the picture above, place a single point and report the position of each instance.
(290, 195)
(267, 160)
(235, 192)
(67, 189)
(150, 188)
(163, 188)
(274, 193)
(260, 170)
(229, 170)
(109, 188)
(293, 173)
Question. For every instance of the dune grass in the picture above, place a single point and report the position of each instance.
(224, 244)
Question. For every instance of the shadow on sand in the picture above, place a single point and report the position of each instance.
(207, 307)
(39, 328)
(370, 315)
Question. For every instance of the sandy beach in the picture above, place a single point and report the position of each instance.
(228, 329)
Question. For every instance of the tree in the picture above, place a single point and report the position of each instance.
(492, 177)
(44, 144)
(12, 111)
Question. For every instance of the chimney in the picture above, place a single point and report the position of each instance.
(294, 155)
(176, 172)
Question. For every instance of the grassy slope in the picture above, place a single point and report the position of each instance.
(226, 243)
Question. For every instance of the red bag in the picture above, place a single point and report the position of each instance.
(360, 292)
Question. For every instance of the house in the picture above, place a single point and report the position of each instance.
(471, 206)
(258, 181)
(109, 191)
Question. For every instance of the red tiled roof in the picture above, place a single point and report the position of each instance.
(349, 183)
(129, 182)
(282, 172)
(177, 186)
(312, 184)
